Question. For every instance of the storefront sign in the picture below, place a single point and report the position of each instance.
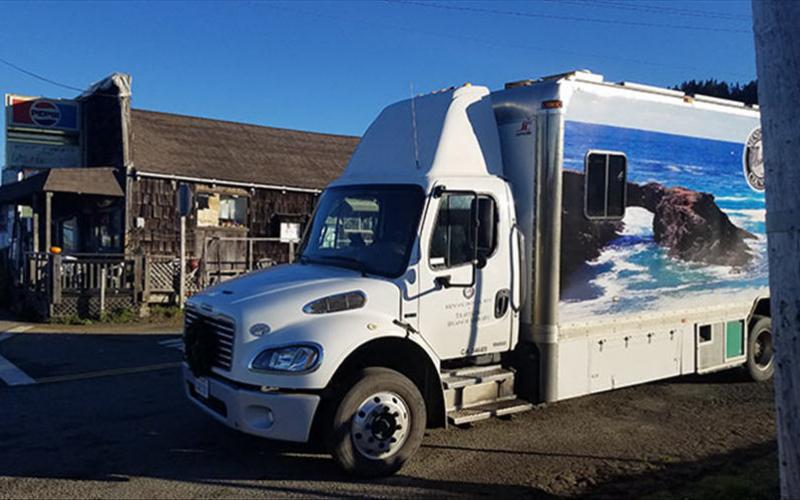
(39, 113)
(30, 155)
(42, 133)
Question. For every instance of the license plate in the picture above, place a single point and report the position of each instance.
(201, 387)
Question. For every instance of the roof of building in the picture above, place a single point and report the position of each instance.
(97, 180)
(179, 145)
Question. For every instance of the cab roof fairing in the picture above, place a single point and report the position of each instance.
(417, 141)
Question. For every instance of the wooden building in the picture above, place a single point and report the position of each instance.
(246, 180)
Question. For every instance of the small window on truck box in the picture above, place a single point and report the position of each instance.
(606, 181)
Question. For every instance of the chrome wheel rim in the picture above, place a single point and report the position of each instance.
(380, 425)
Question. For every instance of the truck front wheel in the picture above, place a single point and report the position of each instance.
(379, 423)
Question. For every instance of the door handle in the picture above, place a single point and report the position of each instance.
(442, 281)
(501, 301)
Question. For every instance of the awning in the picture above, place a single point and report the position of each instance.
(94, 181)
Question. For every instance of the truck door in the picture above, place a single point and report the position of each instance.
(465, 273)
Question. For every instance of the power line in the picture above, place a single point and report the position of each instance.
(660, 9)
(494, 43)
(52, 82)
(482, 10)
(39, 77)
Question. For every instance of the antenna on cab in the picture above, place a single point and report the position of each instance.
(414, 126)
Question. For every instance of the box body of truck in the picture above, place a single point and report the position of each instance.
(651, 267)
(487, 251)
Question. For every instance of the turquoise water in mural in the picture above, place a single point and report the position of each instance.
(633, 272)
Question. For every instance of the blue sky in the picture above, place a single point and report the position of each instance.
(331, 66)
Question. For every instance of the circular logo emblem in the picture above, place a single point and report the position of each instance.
(469, 293)
(753, 161)
(45, 113)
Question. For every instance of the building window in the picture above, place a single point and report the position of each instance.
(453, 239)
(606, 182)
(220, 210)
(70, 235)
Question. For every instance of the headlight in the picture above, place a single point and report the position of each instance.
(295, 358)
(336, 303)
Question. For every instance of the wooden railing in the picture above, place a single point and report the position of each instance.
(34, 272)
(95, 273)
(48, 278)
(51, 276)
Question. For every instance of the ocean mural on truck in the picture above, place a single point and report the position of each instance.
(694, 221)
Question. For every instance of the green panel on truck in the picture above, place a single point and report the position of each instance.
(734, 339)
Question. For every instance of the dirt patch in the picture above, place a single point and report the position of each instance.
(629, 443)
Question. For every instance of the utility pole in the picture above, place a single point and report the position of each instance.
(777, 40)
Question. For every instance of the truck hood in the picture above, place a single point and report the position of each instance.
(284, 290)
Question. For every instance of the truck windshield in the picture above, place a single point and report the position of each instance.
(370, 228)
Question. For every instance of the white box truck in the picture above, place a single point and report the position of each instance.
(486, 251)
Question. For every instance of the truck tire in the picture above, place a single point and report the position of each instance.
(378, 424)
(760, 354)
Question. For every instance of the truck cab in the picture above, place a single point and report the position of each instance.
(411, 263)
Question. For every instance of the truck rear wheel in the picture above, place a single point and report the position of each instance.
(379, 423)
(760, 353)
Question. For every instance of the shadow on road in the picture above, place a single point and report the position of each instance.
(531, 453)
(123, 428)
(746, 473)
(732, 376)
(132, 431)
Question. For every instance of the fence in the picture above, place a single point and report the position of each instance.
(34, 272)
(82, 285)
(88, 285)
(162, 273)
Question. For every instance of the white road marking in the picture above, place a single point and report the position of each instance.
(10, 333)
(9, 372)
(12, 375)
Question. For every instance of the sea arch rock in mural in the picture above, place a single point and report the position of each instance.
(688, 223)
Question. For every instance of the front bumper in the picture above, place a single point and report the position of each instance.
(281, 416)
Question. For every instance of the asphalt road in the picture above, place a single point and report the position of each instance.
(106, 417)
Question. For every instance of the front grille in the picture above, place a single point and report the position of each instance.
(224, 330)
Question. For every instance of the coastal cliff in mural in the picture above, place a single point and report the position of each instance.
(691, 224)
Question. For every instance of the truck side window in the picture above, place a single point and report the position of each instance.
(487, 226)
(453, 235)
(606, 182)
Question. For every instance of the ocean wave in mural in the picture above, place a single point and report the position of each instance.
(692, 224)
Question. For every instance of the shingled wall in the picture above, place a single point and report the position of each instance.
(155, 200)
